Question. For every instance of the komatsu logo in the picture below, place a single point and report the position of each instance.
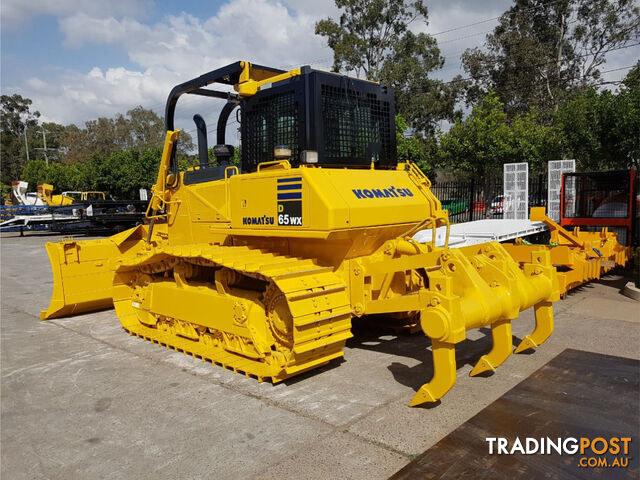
(264, 220)
(391, 192)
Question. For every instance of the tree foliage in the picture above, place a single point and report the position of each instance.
(368, 32)
(487, 138)
(138, 129)
(601, 129)
(120, 174)
(533, 88)
(373, 39)
(118, 155)
(16, 115)
(543, 52)
(412, 148)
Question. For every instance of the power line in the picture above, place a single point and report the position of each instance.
(483, 33)
(452, 64)
(464, 37)
(543, 64)
(327, 60)
(479, 22)
(617, 69)
(461, 27)
(465, 26)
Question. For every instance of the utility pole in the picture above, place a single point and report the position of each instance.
(45, 149)
(44, 140)
(26, 143)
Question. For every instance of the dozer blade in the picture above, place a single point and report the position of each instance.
(82, 278)
(83, 272)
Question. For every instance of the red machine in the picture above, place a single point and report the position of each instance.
(595, 200)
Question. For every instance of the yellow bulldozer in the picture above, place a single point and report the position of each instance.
(45, 194)
(260, 267)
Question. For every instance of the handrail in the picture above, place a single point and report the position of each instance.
(415, 170)
(158, 201)
(162, 206)
(227, 192)
(441, 217)
(433, 223)
(231, 167)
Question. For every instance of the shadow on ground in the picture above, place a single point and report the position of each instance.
(416, 346)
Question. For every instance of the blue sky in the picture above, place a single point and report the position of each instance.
(39, 39)
(80, 59)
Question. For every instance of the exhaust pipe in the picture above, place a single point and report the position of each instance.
(203, 147)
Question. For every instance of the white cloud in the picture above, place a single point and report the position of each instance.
(36, 83)
(457, 27)
(170, 52)
(81, 28)
(268, 32)
(75, 98)
(258, 30)
(316, 8)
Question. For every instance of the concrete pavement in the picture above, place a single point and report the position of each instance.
(82, 399)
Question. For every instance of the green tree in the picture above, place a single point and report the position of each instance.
(479, 143)
(627, 114)
(34, 172)
(601, 128)
(5, 192)
(118, 155)
(62, 176)
(138, 129)
(542, 51)
(54, 134)
(412, 148)
(485, 140)
(123, 173)
(119, 174)
(15, 116)
(145, 129)
(535, 143)
(373, 39)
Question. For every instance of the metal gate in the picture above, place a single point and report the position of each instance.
(516, 191)
(556, 169)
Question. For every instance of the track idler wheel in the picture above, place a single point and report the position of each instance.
(279, 316)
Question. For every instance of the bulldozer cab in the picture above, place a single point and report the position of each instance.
(306, 116)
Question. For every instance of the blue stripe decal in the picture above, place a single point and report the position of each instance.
(290, 196)
(290, 179)
(292, 186)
